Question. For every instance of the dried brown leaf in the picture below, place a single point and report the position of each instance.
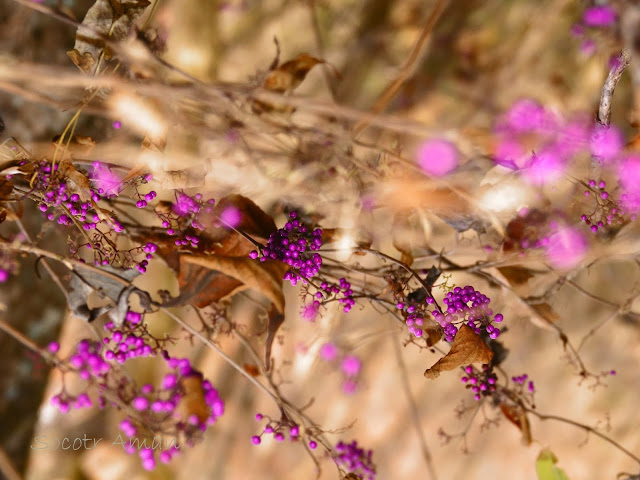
(517, 415)
(80, 184)
(251, 369)
(264, 277)
(467, 348)
(433, 334)
(193, 401)
(6, 187)
(516, 275)
(288, 76)
(546, 312)
(201, 286)
(253, 220)
(106, 18)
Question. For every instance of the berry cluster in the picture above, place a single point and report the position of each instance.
(185, 398)
(601, 16)
(278, 429)
(355, 460)
(607, 212)
(350, 365)
(186, 214)
(522, 380)
(59, 204)
(293, 244)
(342, 292)
(481, 383)
(470, 306)
(415, 315)
(131, 341)
(106, 182)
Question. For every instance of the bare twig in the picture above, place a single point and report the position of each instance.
(604, 111)
(587, 428)
(27, 342)
(413, 408)
(408, 68)
(603, 118)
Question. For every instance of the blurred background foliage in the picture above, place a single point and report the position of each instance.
(480, 57)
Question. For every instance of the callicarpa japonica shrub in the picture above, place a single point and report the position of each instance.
(400, 241)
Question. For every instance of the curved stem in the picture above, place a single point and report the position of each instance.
(587, 428)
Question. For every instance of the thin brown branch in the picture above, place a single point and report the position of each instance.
(587, 428)
(27, 342)
(604, 111)
(47, 267)
(413, 408)
(409, 67)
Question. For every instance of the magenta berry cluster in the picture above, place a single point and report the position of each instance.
(328, 292)
(342, 292)
(99, 362)
(185, 216)
(481, 383)
(130, 341)
(465, 304)
(415, 315)
(354, 459)
(350, 366)
(278, 429)
(156, 405)
(522, 381)
(293, 244)
(606, 212)
(69, 208)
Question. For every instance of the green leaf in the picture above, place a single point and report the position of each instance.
(546, 467)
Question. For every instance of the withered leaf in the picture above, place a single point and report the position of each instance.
(193, 401)
(433, 334)
(546, 312)
(285, 79)
(516, 275)
(253, 220)
(251, 369)
(106, 18)
(201, 286)
(80, 184)
(352, 476)
(110, 283)
(252, 274)
(524, 230)
(288, 76)
(6, 187)
(467, 348)
(517, 415)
